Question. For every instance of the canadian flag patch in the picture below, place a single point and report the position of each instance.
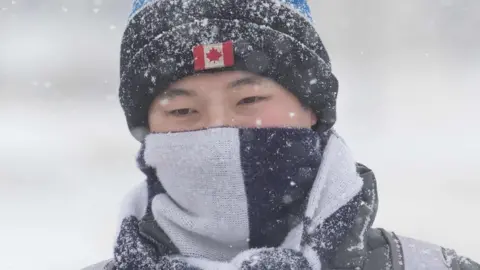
(213, 55)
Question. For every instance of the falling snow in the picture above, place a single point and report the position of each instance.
(78, 71)
(164, 101)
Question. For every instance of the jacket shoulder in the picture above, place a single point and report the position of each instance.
(105, 265)
(403, 253)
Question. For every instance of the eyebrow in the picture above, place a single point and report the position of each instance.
(175, 92)
(250, 80)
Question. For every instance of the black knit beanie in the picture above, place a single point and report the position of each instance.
(167, 40)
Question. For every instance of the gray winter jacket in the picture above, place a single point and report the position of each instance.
(376, 249)
(371, 249)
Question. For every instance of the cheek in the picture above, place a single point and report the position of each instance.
(279, 116)
(156, 122)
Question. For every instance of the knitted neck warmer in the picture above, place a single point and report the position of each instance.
(218, 192)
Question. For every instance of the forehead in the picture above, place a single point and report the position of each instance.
(217, 78)
(214, 83)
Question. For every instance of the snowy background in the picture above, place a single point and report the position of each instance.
(409, 107)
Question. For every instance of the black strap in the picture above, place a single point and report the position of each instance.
(451, 258)
(455, 265)
(396, 251)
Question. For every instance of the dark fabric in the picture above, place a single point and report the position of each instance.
(278, 259)
(467, 264)
(269, 39)
(131, 250)
(279, 167)
(134, 252)
(328, 237)
(353, 250)
(154, 186)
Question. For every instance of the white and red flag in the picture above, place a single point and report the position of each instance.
(213, 55)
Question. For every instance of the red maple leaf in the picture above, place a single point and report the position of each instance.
(213, 55)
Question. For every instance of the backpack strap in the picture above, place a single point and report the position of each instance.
(396, 251)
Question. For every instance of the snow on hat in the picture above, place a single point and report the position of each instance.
(167, 40)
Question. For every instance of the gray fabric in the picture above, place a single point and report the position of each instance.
(451, 258)
(467, 264)
(421, 255)
(205, 165)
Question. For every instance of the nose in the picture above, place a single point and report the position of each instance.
(219, 116)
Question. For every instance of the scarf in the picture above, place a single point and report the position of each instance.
(220, 198)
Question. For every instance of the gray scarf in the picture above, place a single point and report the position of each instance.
(223, 186)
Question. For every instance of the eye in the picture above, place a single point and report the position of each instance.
(181, 112)
(251, 100)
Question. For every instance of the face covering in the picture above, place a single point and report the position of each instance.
(231, 189)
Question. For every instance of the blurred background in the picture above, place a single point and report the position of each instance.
(409, 76)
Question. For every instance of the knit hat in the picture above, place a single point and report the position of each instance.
(167, 40)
